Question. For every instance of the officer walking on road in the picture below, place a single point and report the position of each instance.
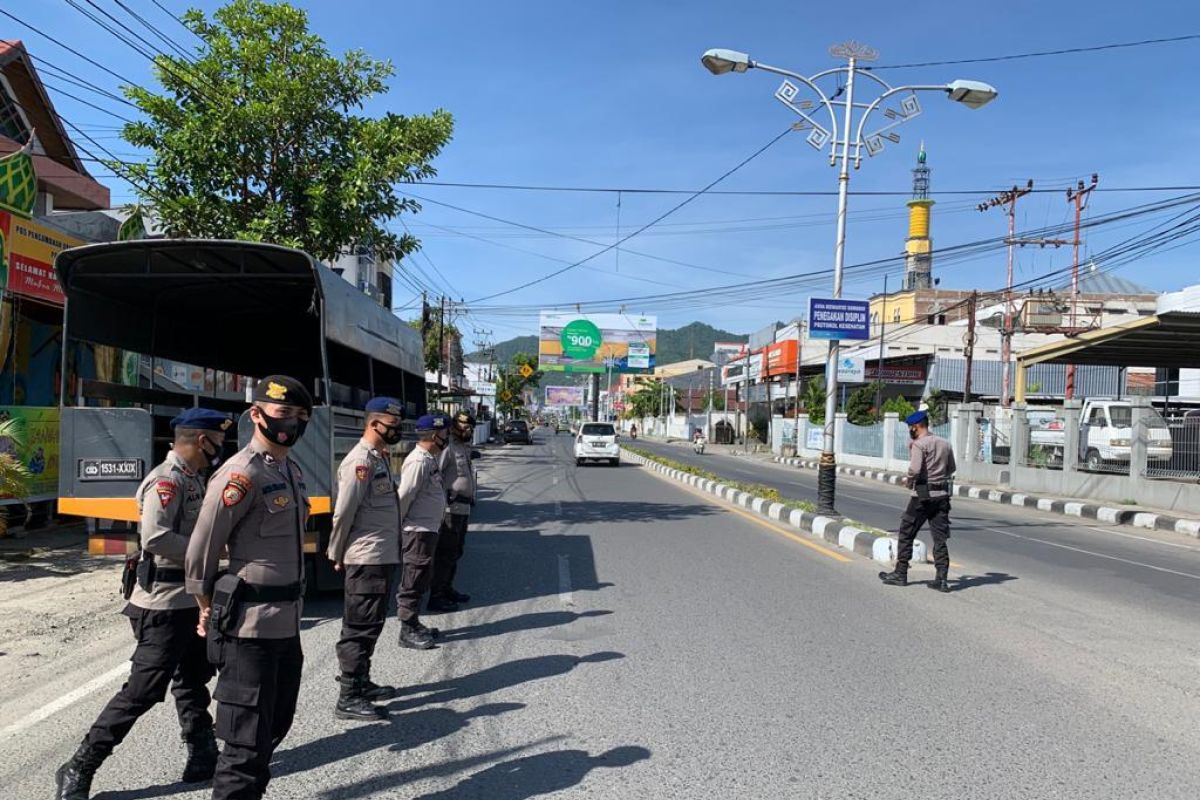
(930, 468)
(365, 545)
(458, 478)
(162, 615)
(256, 507)
(422, 506)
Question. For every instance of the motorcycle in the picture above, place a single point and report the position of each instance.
(698, 446)
(633, 434)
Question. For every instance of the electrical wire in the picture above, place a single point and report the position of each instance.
(1044, 53)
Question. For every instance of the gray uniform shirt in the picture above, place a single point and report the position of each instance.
(366, 516)
(458, 474)
(422, 498)
(168, 505)
(256, 507)
(931, 460)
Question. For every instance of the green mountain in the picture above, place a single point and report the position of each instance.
(691, 341)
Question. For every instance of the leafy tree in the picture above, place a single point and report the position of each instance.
(717, 398)
(812, 399)
(258, 138)
(14, 475)
(898, 405)
(646, 402)
(937, 406)
(431, 339)
(860, 405)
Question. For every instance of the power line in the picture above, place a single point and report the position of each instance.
(653, 222)
(1044, 53)
(66, 47)
(182, 24)
(519, 187)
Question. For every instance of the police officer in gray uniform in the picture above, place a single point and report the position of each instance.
(256, 507)
(365, 545)
(422, 505)
(458, 478)
(930, 468)
(163, 617)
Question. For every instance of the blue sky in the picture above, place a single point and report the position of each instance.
(613, 95)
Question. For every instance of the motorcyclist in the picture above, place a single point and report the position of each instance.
(698, 441)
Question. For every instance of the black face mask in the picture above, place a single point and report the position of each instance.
(389, 433)
(913, 433)
(214, 458)
(283, 432)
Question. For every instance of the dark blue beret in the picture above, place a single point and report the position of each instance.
(432, 422)
(203, 419)
(917, 417)
(385, 405)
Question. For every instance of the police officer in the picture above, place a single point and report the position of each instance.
(163, 617)
(930, 468)
(422, 505)
(256, 507)
(458, 478)
(365, 544)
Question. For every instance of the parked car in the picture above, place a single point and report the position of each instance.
(563, 427)
(517, 431)
(1105, 435)
(597, 441)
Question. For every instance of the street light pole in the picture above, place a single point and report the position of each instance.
(846, 141)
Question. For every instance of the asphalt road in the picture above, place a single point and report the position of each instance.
(632, 639)
(1150, 570)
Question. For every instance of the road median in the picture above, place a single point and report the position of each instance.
(766, 502)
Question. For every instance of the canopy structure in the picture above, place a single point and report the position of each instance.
(1168, 340)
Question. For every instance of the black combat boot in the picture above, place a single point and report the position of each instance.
(414, 637)
(940, 583)
(458, 596)
(897, 577)
(373, 691)
(352, 705)
(434, 632)
(202, 756)
(73, 780)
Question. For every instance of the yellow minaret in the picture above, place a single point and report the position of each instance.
(918, 259)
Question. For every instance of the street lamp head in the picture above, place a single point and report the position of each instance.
(719, 61)
(972, 94)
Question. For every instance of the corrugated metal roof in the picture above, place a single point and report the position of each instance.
(1050, 379)
(1105, 283)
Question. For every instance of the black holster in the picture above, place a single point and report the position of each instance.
(145, 571)
(226, 597)
(129, 575)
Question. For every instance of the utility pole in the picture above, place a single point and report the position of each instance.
(595, 397)
(879, 367)
(1079, 196)
(441, 347)
(970, 345)
(708, 431)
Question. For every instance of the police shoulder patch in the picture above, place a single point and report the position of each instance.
(166, 491)
(362, 472)
(235, 489)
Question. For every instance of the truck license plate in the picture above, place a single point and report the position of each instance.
(110, 469)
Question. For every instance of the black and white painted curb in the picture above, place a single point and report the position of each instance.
(834, 530)
(1071, 508)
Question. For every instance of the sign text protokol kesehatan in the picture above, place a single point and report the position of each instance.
(839, 319)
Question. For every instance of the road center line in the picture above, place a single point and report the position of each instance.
(1143, 538)
(1091, 553)
(565, 595)
(71, 697)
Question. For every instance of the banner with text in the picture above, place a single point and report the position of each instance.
(564, 396)
(28, 250)
(838, 319)
(572, 342)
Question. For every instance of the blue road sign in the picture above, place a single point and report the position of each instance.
(839, 319)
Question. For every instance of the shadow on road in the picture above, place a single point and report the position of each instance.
(521, 622)
(536, 775)
(585, 512)
(496, 678)
(987, 579)
(401, 732)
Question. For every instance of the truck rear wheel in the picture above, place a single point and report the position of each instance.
(1093, 461)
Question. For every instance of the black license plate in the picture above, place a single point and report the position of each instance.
(110, 469)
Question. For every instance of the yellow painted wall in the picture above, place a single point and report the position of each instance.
(906, 302)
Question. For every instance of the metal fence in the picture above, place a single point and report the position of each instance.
(863, 440)
(901, 442)
(1182, 460)
(1044, 440)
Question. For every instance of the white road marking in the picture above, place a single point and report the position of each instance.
(1092, 553)
(1144, 538)
(71, 697)
(565, 595)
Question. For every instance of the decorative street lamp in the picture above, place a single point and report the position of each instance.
(847, 143)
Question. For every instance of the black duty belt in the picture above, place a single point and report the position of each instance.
(271, 594)
(936, 487)
(168, 575)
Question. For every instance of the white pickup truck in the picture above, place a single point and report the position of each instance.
(1105, 435)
